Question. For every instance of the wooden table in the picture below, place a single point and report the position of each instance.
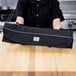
(21, 60)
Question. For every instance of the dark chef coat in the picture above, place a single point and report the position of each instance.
(39, 13)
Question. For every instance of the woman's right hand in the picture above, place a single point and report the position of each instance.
(20, 20)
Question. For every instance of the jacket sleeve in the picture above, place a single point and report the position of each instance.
(21, 6)
(57, 12)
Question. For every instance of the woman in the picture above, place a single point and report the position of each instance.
(39, 13)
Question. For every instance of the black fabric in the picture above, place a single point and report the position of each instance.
(39, 13)
(37, 36)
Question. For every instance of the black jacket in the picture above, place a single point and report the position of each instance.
(39, 13)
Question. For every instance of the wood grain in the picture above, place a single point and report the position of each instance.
(37, 74)
(27, 60)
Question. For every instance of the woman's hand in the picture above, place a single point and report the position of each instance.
(20, 20)
(57, 24)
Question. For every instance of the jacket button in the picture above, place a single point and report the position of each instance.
(37, 15)
(38, 0)
(37, 5)
(37, 25)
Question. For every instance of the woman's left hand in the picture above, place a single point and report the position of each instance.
(57, 24)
